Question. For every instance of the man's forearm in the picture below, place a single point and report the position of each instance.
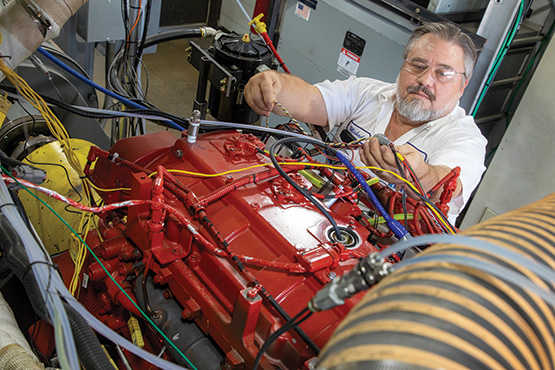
(303, 100)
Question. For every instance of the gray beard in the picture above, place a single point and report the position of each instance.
(413, 110)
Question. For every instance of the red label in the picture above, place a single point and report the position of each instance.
(351, 55)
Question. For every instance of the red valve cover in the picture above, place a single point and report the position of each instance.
(258, 219)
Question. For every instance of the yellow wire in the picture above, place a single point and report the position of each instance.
(107, 190)
(306, 164)
(60, 133)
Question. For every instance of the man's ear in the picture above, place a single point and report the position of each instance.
(466, 81)
(465, 84)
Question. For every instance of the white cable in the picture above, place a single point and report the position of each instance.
(243, 9)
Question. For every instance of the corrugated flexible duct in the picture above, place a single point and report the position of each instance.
(443, 315)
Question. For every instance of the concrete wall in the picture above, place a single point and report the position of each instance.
(522, 170)
(232, 18)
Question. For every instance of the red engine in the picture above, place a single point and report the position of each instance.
(218, 262)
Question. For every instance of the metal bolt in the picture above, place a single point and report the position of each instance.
(332, 275)
(179, 153)
(252, 292)
(156, 314)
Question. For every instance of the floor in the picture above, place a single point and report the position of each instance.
(172, 81)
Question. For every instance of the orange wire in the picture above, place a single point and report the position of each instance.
(136, 21)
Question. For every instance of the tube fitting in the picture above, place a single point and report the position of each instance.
(367, 273)
(194, 126)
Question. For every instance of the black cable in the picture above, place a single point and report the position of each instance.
(47, 163)
(304, 192)
(284, 314)
(66, 208)
(186, 33)
(293, 322)
(7, 204)
(179, 120)
(30, 265)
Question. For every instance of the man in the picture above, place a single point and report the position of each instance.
(419, 113)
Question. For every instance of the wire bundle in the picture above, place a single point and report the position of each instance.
(60, 133)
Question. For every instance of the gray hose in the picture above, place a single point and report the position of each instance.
(40, 266)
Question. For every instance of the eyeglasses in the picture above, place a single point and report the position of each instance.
(441, 74)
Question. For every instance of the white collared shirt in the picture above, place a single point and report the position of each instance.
(364, 107)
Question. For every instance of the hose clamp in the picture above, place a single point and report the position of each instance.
(41, 18)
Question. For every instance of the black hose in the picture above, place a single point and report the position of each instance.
(15, 258)
(90, 351)
(304, 192)
(291, 323)
(184, 33)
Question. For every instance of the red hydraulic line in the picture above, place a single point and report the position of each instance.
(260, 28)
(273, 48)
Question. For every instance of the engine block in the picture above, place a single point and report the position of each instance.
(240, 252)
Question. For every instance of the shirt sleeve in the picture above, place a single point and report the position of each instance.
(465, 148)
(344, 98)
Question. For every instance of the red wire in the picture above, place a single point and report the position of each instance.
(136, 22)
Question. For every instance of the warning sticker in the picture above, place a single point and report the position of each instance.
(348, 62)
(302, 11)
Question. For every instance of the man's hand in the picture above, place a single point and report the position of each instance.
(374, 154)
(262, 90)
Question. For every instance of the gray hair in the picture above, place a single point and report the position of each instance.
(451, 33)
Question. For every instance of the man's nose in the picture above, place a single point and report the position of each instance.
(427, 78)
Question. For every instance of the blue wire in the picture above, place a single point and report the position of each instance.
(394, 225)
(420, 150)
(79, 76)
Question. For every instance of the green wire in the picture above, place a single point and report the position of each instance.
(499, 58)
(103, 267)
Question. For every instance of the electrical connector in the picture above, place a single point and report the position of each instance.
(367, 273)
(258, 25)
